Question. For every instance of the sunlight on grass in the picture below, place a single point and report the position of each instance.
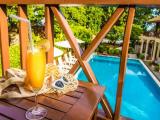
(14, 57)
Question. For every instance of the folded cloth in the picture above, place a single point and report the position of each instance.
(13, 85)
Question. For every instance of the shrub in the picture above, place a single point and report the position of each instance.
(82, 33)
(116, 51)
(141, 56)
(131, 50)
(101, 48)
(111, 51)
(36, 38)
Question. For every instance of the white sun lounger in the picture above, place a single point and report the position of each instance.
(68, 60)
(62, 66)
(71, 57)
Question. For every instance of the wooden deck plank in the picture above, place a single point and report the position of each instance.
(26, 104)
(63, 98)
(81, 89)
(9, 110)
(74, 94)
(4, 118)
(86, 105)
(52, 103)
(64, 108)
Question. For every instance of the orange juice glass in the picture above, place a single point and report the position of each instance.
(36, 61)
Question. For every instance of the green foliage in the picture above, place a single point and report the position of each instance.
(89, 20)
(116, 34)
(82, 33)
(14, 52)
(131, 50)
(143, 14)
(111, 51)
(12, 22)
(36, 38)
(101, 48)
(141, 56)
(137, 30)
(14, 57)
(117, 52)
(84, 16)
(36, 14)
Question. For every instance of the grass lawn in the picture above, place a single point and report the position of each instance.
(14, 57)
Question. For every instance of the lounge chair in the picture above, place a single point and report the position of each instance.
(68, 60)
(62, 66)
(71, 57)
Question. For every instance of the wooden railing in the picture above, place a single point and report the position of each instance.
(51, 11)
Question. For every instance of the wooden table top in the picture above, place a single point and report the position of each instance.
(78, 105)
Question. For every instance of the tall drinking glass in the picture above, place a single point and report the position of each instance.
(36, 62)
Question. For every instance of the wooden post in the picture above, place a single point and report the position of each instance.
(23, 34)
(49, 19)
(123, 61)
(4, 41)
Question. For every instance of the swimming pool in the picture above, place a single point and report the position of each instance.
(141, 93)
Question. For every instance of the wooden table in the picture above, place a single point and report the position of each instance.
(78, 105)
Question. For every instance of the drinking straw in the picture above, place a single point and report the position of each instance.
(29, 28)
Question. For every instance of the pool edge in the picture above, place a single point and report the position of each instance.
(150, 73)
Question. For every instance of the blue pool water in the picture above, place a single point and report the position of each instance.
(141, 95)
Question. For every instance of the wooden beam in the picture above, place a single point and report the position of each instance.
(49, 19)
(123, 62)
(89, 73)
(93, 2)
(23, 35)
(4, 41)
(97, 40)
(68, 32)
(85, 66)
(74, 44)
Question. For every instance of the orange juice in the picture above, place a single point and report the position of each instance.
(36, 62)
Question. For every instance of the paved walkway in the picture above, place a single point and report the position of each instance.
(157, 74)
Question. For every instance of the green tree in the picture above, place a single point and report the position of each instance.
(36, 14)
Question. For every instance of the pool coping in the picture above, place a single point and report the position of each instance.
(148, 70)
(151, 74)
